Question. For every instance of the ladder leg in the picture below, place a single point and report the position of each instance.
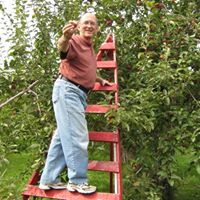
(111, 182)
(111, 174)
(119, 176)
(25, 197)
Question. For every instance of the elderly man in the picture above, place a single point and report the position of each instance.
(77, 77)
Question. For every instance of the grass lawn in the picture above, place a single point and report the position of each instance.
(18, 172)
(190, 188)
(15, 179)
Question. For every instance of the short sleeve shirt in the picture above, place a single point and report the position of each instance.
(79, 63)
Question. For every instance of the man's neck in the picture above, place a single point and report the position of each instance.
(87, 39)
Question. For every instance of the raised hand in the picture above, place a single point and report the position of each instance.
(69, 29)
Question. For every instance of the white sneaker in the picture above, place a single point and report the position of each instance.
(57, 186)
(81, 188)
(44, 187)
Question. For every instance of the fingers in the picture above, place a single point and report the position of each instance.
(69, 28)
(105, 82)
(108, 83)
(75, 23)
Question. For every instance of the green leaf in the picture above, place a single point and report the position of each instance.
(198, 169)
(171, 182)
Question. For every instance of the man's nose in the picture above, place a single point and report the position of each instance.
(90, 24)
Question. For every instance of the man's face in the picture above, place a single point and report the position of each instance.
(88, 26)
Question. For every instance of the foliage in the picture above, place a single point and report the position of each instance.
(158, 59)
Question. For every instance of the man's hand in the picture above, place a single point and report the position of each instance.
(69, 29)
(105, 82)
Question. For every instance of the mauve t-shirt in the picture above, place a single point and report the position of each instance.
(79, 63)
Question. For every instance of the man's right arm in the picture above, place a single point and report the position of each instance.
(63, 44)
(68, 31)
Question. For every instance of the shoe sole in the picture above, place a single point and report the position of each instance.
(58, 187)
(46, 188)
(83, 192)
(70, 189)
(49, 187)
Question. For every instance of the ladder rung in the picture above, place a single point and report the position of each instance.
(99, 108)
(106, 64)
(105, 166)
(104, 136)
(34, 191)
(107, 46)
(99, 87)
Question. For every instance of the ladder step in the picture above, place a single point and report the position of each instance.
(99, 108)
(105, 166)
(104, 136)
(99, 87)
(107, 46)
(106, 64)
(33, 190)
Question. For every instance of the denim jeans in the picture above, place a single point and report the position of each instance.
(69, 143)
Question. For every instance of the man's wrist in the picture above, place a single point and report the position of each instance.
(63, 43)
(102, 82)
(65, 38)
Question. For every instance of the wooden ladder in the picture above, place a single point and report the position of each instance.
(113, 166)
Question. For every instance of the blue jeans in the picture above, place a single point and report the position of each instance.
(69, 144)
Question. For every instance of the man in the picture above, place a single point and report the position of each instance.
(77, 76)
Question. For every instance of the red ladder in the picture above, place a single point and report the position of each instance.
(113, 138)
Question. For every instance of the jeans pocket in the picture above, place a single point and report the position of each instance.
(55, 95)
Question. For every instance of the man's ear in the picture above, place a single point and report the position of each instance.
(97, 29)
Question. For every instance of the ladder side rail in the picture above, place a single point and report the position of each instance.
(34, 178)
(111, 173)
(99, 55)
(112, 146)
(109, 38)
(116, 78)
(119, 175)
(116, 146)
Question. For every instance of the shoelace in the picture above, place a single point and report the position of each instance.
(84, 185)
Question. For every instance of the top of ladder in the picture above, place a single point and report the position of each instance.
(109, 46)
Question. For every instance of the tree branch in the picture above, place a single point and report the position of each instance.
(193, 96)
(19, 94)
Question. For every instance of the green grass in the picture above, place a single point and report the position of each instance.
(17, 163)
(100, 179)
(18, 172)
(190, 187)
(14, 179)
